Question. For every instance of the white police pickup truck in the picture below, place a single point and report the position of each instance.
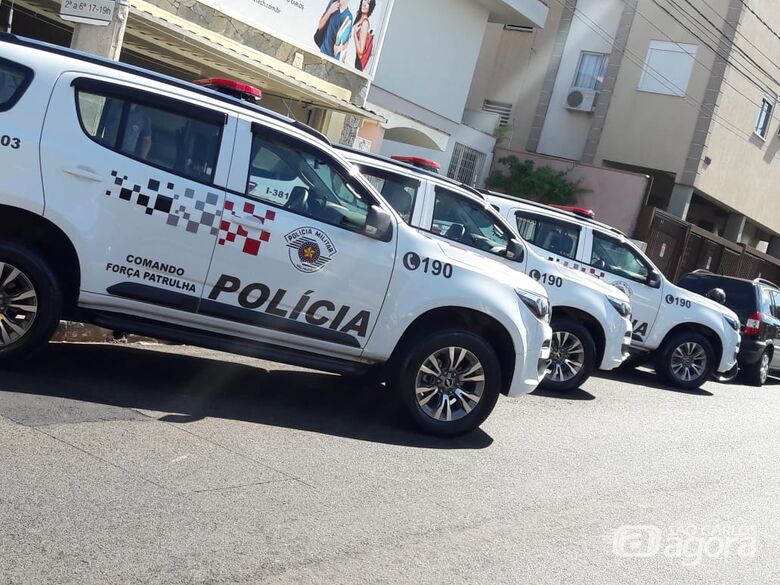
(135, 201)
(590, 319)
(689, 336)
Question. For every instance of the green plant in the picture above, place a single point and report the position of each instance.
(543, 184)
(502, 134)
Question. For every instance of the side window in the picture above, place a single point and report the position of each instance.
(399, 191)
(554, 236)
(459, 219)
(299, 178)
(174, 142)
(14, 79)
(768, 302)
(615, 257)
(776, 304)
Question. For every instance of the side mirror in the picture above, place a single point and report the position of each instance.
(379, 224)
(515, 250)
(654, 280)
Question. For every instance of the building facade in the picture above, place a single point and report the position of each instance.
(684, 92)
(276, 45)
(424, 76)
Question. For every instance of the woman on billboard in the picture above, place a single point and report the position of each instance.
(363, 35)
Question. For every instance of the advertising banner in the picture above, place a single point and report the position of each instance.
(347, 31)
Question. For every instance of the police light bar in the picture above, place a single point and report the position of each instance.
(242, 91)
(581, 211)
(420, 163)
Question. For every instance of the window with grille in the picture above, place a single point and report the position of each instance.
(503, 110)
(591, 70)
(765, 115)
(466, 164)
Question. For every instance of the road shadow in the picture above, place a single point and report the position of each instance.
(643, 377)
(576, 394)
(192, 388)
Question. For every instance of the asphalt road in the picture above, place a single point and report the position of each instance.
(130, 464)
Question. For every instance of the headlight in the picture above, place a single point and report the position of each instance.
(621, 307)
(538, 305)
(733, 323)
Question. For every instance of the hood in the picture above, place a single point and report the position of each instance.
(575, 276)
(483, 263)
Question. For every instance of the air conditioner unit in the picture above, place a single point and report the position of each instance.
(581, 99)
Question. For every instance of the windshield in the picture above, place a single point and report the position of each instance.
(457, 218)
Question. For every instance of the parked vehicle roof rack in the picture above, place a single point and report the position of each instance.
(205, 91)
(766, 282)
(399, 163)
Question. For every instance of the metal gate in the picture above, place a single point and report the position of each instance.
(678, 247)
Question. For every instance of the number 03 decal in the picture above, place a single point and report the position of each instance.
(413, 262)
(10, 141)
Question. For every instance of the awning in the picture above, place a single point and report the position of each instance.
(520, 12)
(400, 128)
(167, 38)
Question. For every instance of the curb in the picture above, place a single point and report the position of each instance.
(70, 332)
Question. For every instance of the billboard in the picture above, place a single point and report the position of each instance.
(349, 32)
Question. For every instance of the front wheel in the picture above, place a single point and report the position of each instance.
(686, 360)
(572, 356)
(449, 382)
(30, 302)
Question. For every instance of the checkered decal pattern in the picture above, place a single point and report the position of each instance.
(195, 212)
(577, 266)
(236, 235)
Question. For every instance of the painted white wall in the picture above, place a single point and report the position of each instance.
(565, 132)
(430, 53)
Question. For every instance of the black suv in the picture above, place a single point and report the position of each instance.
(757, 302)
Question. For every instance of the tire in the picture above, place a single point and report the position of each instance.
(575, 337)
(429, 412)
(691, 345)
(757, 374)
(30, 303)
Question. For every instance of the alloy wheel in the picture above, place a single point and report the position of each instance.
(18, 304)
(764, 370)
(567, 357)
(449, 384)
(689, 361)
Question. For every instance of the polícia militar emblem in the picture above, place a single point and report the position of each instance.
(310, 249)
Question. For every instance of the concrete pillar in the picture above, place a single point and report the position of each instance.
(735, 226)
(680, 202)
(774, 247)
(104, 41)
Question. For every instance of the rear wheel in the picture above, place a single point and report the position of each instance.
(757, 374)
(686, 360)
(30, 302)
(572, 356)
(449, 382)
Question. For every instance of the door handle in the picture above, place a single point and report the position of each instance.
(248, 222)
(84, 173)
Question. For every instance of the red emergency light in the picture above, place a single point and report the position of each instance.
(581, 211)
(420, 163)
(242, 91)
